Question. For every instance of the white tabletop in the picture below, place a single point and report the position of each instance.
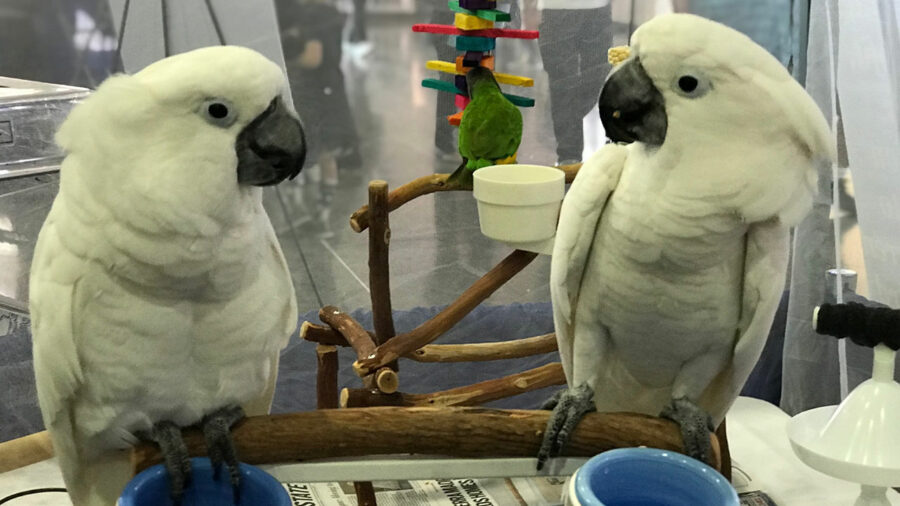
(757, 437)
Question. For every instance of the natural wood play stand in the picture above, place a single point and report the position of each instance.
(379, 419)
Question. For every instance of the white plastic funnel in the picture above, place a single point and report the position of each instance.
(519, 204)
(859, 440)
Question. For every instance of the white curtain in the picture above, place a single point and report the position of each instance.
(853, 70)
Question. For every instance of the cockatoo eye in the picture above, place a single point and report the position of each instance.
(218, 112)
(687, 83)
(691, 85)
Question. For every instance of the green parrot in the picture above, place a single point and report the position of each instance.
(491, 127)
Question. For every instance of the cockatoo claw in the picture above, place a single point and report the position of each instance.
(695, 425)
(167, 436)
(570, 407)
(216, 428)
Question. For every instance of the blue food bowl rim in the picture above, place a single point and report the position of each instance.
(198, 464)
(582, 477)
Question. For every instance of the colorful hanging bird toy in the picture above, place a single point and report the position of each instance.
(489, 119)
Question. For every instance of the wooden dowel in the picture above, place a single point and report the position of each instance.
(472, 352)
(352, 331)
(379, 264)
(326, 377)
(570, 170)
(722, 437)
(454, 432)
(452, 314)
(425, 185)
(322, 334)
(492, 390)
(387, 380)
(481, 352)
(24, 451)
(370, 397)
(469, 395)
(365, 493)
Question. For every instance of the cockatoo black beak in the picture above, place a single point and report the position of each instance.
(631, 108)
(271, 148)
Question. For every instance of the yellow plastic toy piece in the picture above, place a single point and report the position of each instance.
(450, 68)
(618, 54)
(469, 22)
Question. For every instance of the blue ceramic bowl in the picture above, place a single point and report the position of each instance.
(258, 488)
(647, 476)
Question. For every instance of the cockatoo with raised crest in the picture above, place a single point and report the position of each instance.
(160, 296)
(671, 251)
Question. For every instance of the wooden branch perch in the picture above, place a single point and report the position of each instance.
(352, 331)
(492, 390)
(379, 265)
(321, 334)
(469, 395)
(424, 185)
(453, 432)
(474, 352)
(482, 352)
(385, 378)
(450, 316)
(326, 377)
(24, 451)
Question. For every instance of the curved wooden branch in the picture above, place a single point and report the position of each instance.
(385, 378)
(350, 329)
(469, 395)
(471, 352)
(482, 352)
(454, 432)
(379, 264)
(450, 316)
(425, 185)
(492, 390)
(321, 334)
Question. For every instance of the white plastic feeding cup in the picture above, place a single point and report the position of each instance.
(519, 204)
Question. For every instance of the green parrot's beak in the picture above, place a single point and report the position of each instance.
(631, 108)
(271, 148)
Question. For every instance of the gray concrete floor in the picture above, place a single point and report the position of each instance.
(437, 250)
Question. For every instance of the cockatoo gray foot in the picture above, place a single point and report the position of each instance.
(551, 403)
(695, 424)
(217, 432)
(569, 407)
(167, 436)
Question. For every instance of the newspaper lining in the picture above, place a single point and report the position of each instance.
(542, 491)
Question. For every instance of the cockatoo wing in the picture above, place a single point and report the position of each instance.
(262, 404)
(578, 220)
(55, 299)
(765, 268)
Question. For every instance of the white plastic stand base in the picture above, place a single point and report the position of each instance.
(858, 441)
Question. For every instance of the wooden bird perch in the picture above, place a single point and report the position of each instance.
(452, 432)
(424, 185)
(405, 344)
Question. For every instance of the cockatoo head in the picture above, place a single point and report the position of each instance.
(693, 89)
(197, 130)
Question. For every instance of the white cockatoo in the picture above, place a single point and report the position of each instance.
(671, 251)
(160, 296)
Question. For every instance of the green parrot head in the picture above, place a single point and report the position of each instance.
(481, 79)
